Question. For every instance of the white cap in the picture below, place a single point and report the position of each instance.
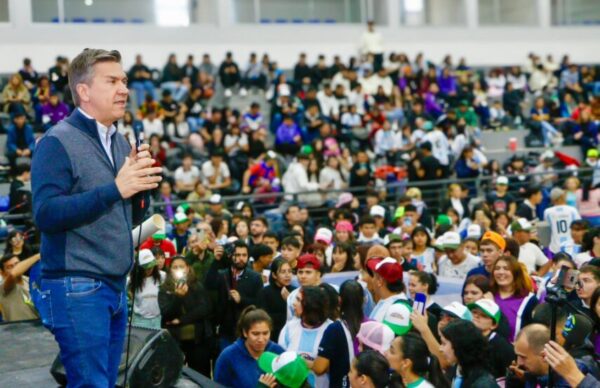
(458, 310)
(502, 180)
(377, 211)
(451, 240)
(146, 258)
(474, 230)
(215, 199)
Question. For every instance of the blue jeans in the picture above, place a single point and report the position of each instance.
(141, 89)
(88, 320)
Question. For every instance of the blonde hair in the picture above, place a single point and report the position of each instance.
(414, 193)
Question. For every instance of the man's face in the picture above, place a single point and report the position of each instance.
(456, 255)
(240, 258)
(528, 360)
(501, 188)
(106, 94)
(577, 234)
(489, 253)
(309, 277)
(395, 249)
(10, 264)
(271, 243)
(187, 163)
(522, 237)
(257, 228)
(289, 253)
(293, 214)
(20, 121)
(414, 216)
(586, 285)
(368, 230)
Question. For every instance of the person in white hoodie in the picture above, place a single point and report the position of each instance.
(295, 179)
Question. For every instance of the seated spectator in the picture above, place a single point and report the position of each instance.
(53, 111)
(153, 125)
(131, 128)
(229, 74)
(253, 119)
(15, 95)
(288, 137)
(541, 126)
(172, 78)
(215, 172)
(253, 76)
(15, 299)
(186, 177)
(20, 141)
(140, 80)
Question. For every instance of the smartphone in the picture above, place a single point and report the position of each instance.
(419, 303)
(570, 278)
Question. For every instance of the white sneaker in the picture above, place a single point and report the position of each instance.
(243, 92)
(228, 93)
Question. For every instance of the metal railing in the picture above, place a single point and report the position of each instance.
(433, 192)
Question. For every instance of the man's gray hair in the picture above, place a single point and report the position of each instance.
(81, 70)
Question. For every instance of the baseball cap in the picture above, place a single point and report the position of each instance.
(344, 226)
(377, 211)
(502, 180)
(387, 268)
(451, 240)
(308, 259)
(376, 335)
(489, 308)
(443, 219)
(576, 330)
(289, 368)
(556, 193)
(458, 310)
(521, 224)
(146, 259)
(180, 218)
(397, 317)
(399, 213)
(494, 237)
(344, 199)
(215, 199)
(159, 235)
(391, 238)
(183, 208)
(324, 235)
(427, 126)
(592, 153)
(474, 230)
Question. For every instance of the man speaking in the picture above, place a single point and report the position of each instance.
(89, 188)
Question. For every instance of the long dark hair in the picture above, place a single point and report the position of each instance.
(593, 303)
(352, 299)
(314, 306)
(428, 279)
(349, 250)
(333, 301)
(170, 282)
(375, 366)
(422, 229)
(424, 364)
(275, 267)
(138, 276)
(470, 348)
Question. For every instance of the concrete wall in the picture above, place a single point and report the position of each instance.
(481, 46)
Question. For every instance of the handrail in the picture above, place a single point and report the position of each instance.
(436, 186)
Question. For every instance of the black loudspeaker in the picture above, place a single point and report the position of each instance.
(155, 360)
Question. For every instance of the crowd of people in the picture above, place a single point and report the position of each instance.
(283, 298)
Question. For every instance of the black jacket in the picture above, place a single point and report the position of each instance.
(227, 311)
(501, 354)
(270, 300)
(193, 308)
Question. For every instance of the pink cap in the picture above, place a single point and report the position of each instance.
(344, 226)
(376, 335)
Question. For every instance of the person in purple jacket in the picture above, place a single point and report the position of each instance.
(53, 111)
(288, 137)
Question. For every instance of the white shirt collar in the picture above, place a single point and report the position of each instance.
(104, 131)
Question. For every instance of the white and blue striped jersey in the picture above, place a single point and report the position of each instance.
(560, 218)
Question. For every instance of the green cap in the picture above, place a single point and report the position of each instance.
(521, 224)
(488, 307)
(397, 317)
(306, 149)
(289, 369)
(159, 235)
(399, 213)
(392, 238)
(180, 218)
(443, 219)
(183, 208)
(592, 153)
